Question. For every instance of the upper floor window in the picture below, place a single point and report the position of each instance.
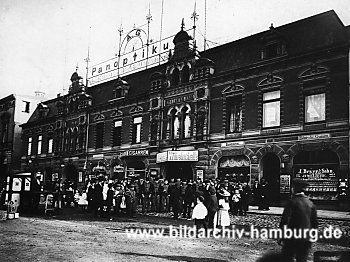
(274, 49)
(186, 123)
(50, 145)
(99, 134)
(174, 124)
(117, 133)
(271, 109)
(40, 141)
(136, 130)
(175, 77)
(29, 148)
(26, 107)
(118, 93)
(315, 108)
(185, 74)
(4, 131)
(234, 114)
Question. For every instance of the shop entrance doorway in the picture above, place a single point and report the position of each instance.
(135, 169)
(271, 174)
(70, 172)
(182, 170)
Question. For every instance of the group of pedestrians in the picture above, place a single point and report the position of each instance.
(105, 198)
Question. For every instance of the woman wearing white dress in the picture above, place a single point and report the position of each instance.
(222, 217)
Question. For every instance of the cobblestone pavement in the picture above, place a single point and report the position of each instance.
(272, 221)
(73, 236)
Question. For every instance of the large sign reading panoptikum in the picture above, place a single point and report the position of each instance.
(156, 53)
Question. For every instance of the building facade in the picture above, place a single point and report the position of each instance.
(273, 106)
(14, 111)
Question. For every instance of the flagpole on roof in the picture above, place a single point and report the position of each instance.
(120, 30)
(149, 19)
(161, 29)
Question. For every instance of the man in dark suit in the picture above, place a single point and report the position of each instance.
(299, 215)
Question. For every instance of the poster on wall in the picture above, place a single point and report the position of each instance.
(285, 184)
(80, 176)
(200, 174)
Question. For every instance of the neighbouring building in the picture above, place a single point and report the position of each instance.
(273, 105)
(14, 110)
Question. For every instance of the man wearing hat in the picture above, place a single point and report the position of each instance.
(299, 214)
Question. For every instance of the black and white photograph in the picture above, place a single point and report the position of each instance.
(163, 130)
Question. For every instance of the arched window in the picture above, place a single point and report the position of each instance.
(200, 123)
(185, 77)
(186, 122)
(174, 124)
(175, 77)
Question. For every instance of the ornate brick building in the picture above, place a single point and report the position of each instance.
(274, 105)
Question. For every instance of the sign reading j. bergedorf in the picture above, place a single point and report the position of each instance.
(173, 156)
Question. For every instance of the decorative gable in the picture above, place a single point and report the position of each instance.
(270, 80)
(99, 117)
(117, 113)
(314, 70)
(232, 88)
(136, 109)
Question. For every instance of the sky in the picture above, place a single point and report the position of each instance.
(43, 41)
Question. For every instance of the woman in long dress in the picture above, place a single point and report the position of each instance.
(222, 217)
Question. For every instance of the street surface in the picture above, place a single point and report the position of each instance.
(78, 237)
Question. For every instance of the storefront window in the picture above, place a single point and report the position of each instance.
(234, 168)
(315, 108)
(319, 169)
(271, 109)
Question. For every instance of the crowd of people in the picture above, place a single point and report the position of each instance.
(106, 198)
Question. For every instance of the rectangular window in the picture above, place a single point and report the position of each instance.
(50, 145)
(26, 106)
(99, 135)
(4, 132)
(315, 108)
(117, 133)
(234, 114)
(40, 140)
(271, 109)
(136, 132)
(29, 150)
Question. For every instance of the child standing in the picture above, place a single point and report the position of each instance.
(199, 213)
(222, 217)
(83, 202)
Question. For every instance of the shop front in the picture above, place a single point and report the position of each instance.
(320, 169)
(234, 168)
(177, 164)
(135, 163)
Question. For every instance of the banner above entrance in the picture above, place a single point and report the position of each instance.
(173, 156)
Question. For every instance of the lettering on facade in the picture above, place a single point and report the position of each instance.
(177, 100)
(313, 137)
(174, 156)
(140, 152)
